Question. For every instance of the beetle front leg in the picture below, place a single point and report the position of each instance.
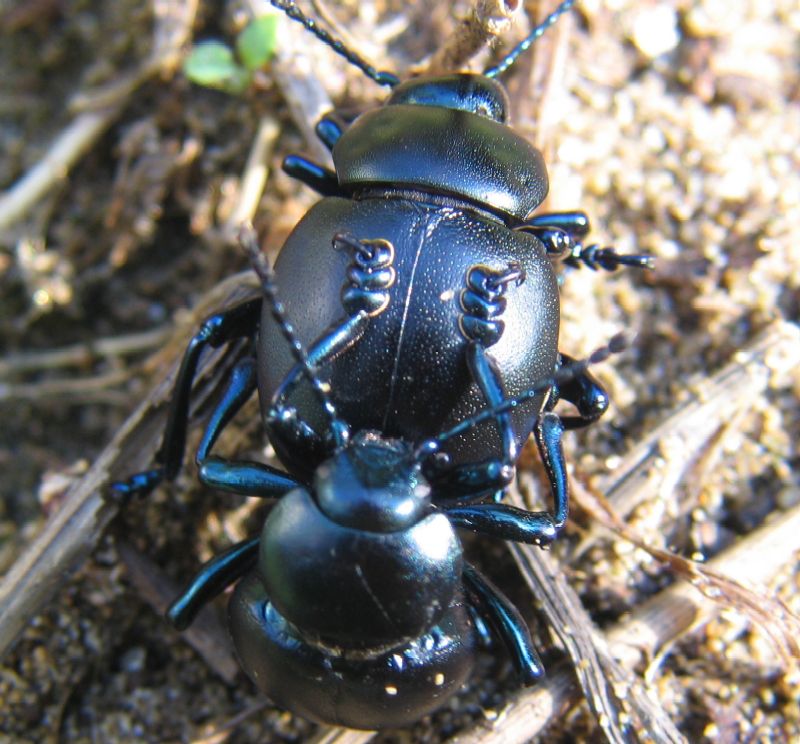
(561, 234)
(483, 302)
(323, 180)
(492, 475)
(240, 321)
(315, 176)
(237, 476)
(365, 295)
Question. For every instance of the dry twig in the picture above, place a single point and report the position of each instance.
(73, 532)
(673, 612)
(82, 354)
(206, 633)
(665, 457)
(486, 20)
(173, 25)
(615, 695)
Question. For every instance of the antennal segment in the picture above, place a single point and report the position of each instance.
(567, 372)
(528, 41)
(381, 77)
(248, 241)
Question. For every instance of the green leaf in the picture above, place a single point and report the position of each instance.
(258, 41)
(211, 64)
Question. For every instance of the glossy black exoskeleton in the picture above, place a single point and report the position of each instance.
(356, 606)
(457, 298)
(423, 291)
(438, 174)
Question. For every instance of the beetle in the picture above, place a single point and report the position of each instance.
(437, 307)
(355, 605)
(435, 191)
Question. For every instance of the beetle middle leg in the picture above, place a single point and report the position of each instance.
(482, 304)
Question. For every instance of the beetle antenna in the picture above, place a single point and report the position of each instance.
(381, 77)
(565, 373)
(260, 264)
(528, 41)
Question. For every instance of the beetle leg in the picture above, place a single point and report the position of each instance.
(585, 393)
(365, 294)
(605, 257)
(236, 476)
(504, 522)
(315, 176)
(323, 180)
(329, 130)
(240, 321)
(292, 437)
(547, 432)
(575, 224)
(482, 303)
(494, 474)
(323, 351)
(211, 580)
(506, 622)
(489, 477)
(561, 234)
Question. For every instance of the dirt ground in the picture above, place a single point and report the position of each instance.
(674, 125)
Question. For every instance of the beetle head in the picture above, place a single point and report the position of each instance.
(476, 94)
(373, 484)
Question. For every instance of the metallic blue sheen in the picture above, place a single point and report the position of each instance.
(444, 151)
(461, 91)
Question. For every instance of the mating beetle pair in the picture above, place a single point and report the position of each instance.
(420, 355)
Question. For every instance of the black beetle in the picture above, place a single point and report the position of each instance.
(437, 191)
(355, 605)
(439, 303)
(438, 176)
